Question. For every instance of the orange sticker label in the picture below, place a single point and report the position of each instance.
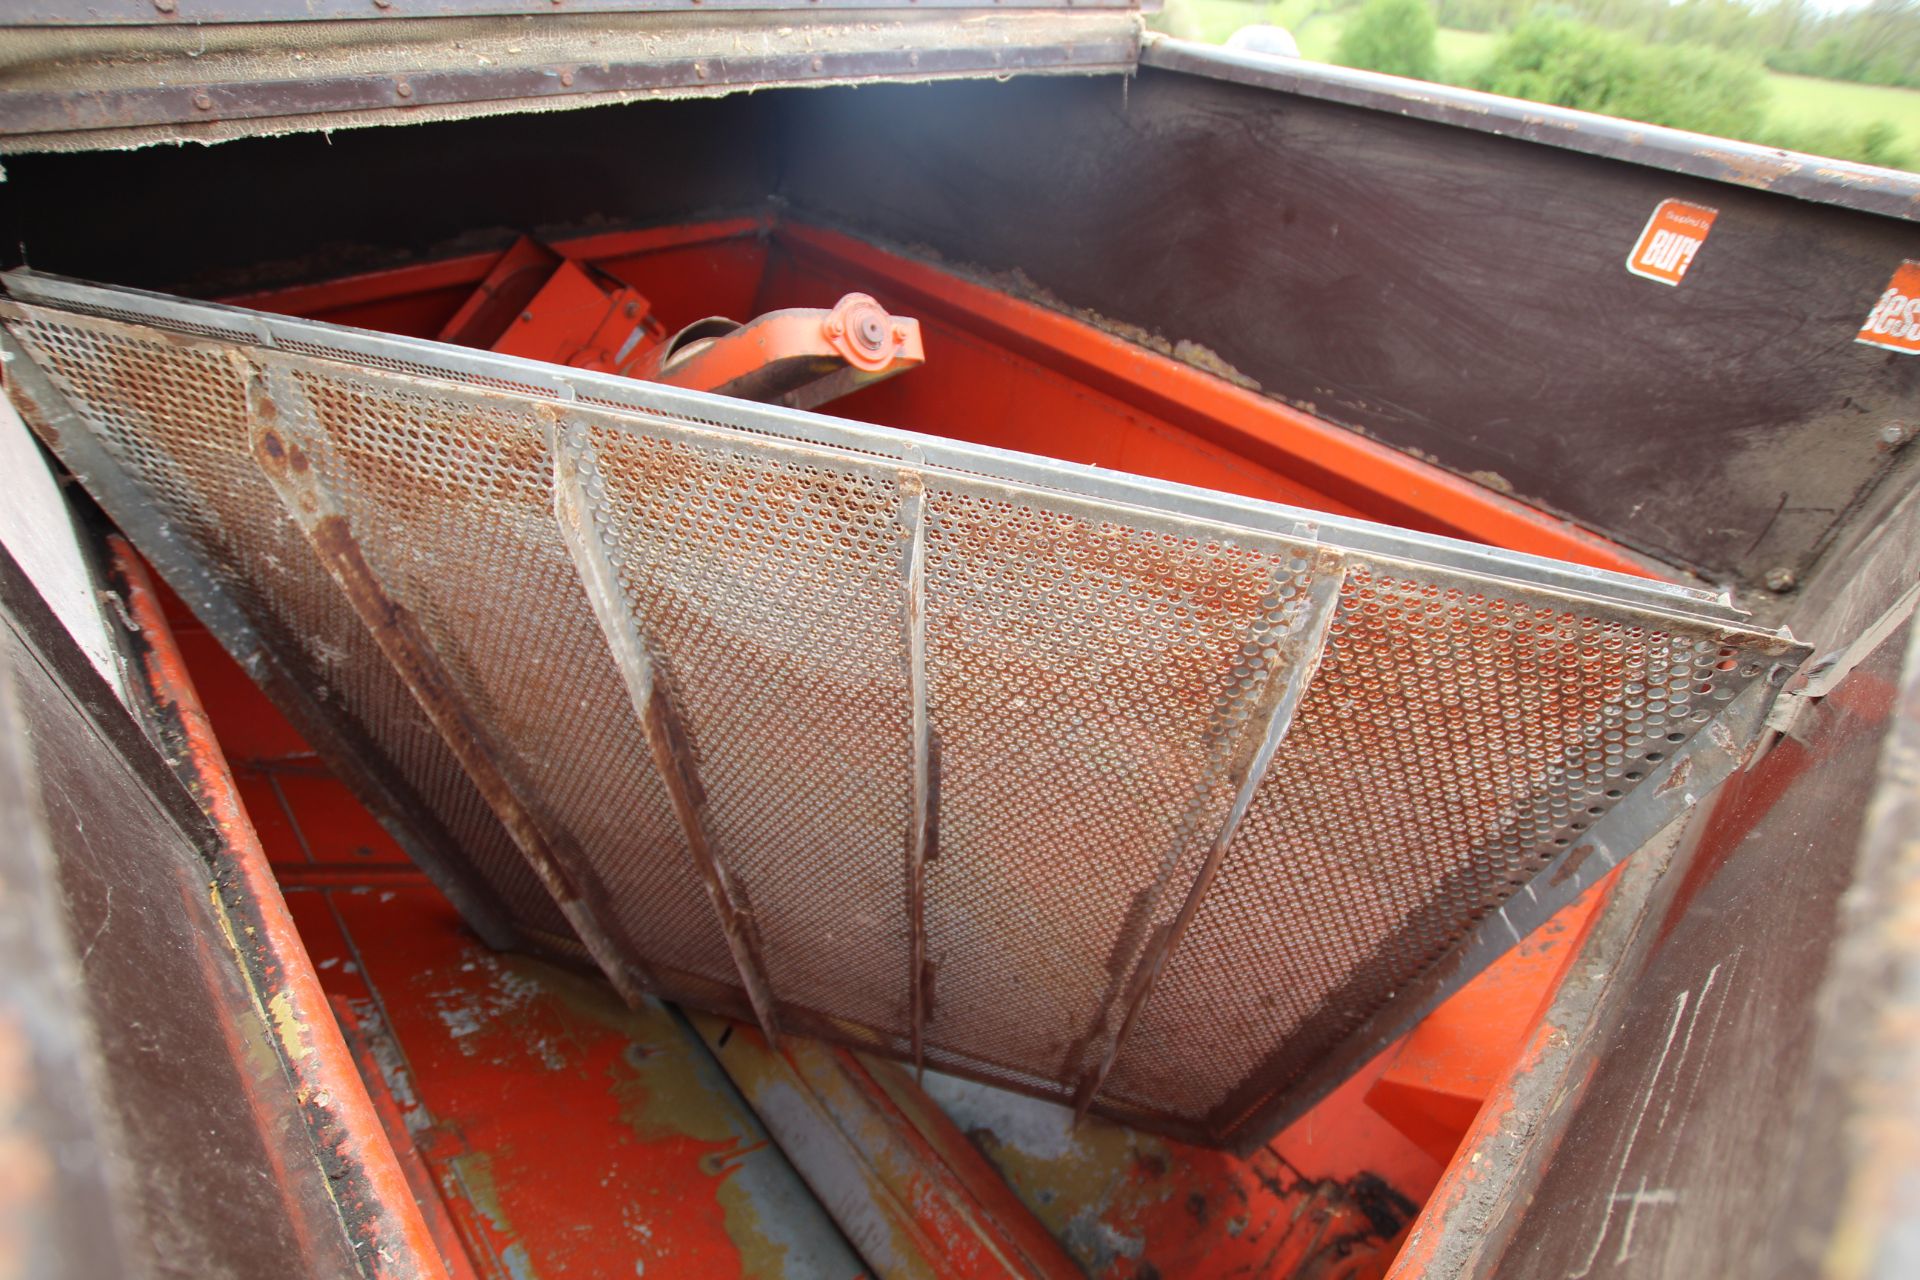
(1674, 234)
(1894, 322)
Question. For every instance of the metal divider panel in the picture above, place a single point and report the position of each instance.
(1458, 739)
(1054, 689)
(450, 493)
(767, 583)
(173, 416)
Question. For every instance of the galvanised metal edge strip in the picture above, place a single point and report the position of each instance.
(533, 377)
(922, 822)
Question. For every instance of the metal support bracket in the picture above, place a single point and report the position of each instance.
(924, 819)
(1291, 657)
(577, 493)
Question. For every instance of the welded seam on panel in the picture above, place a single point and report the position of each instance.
(923, 822)
(289, 453)
(349, 752)
(578, 493)
(488, 370)
(1290, 671)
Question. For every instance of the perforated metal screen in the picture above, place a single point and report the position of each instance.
(1106, 790)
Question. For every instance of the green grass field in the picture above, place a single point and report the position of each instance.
(1797, 101)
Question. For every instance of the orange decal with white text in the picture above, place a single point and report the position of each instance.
(1894, 322)
(1674, 234)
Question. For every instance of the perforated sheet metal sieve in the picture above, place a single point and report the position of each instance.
(173, 417)
(1079, 675)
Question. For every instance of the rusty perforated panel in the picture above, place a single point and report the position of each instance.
(1105, 790)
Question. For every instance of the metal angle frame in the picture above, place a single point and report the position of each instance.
(578, 493)
(614, 404)
(483, 369)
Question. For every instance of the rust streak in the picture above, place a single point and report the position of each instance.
(408, 649)
(1298, 658)
(922, 827)
(588, 539)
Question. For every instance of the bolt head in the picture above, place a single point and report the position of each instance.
(165, 6)
(1781, 580)
(202, 102)
(1894, 434)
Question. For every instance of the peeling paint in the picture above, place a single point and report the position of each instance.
(286, 1025)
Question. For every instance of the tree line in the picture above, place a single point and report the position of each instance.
(1875, 44)
(1697, 65)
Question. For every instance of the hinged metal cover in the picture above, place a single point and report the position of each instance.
(1161, 802)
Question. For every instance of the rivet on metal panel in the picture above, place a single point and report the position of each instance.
(921, 827)
(1294, 659)
(286, 455)
(577, 494)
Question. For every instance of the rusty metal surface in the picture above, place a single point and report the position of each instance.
(567, 1133)
(1209, 784)
(198, 1124)
(1131, 1206)
(111, 85)
(1668, 1167)
(365, 1181)
(282, 451)
(1779, 940)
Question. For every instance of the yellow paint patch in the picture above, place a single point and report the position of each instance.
(286, 1025)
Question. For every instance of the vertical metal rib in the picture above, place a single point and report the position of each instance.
(287, 458)
(1296, 659)
(577, 493)
(920, 829)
